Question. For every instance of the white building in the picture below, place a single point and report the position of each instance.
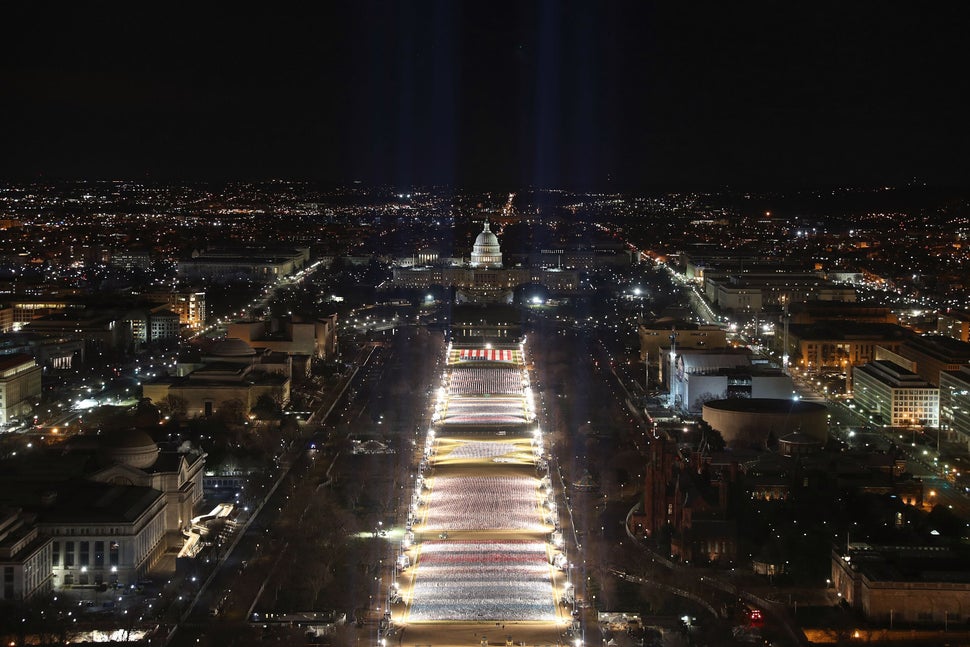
(897, 396)
(753, 292)
(699, 376)
(317, 338)
(103, 533)
(109, 526)
(19, 383)
(955, 404)
(483, 279)
(486, 251)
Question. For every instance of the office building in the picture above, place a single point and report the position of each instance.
(955, 405)
(896, 396)
(20, 386)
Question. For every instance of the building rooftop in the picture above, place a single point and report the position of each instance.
(765, 405)
(8, 362)
(837, 330)
(941, 347)
(92, 502)
(909, 563)
(891, 373)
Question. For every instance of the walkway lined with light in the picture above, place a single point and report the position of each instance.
(477, 547)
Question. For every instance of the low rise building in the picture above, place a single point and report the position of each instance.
(316, 339)
(915, 585)
(257, 264)
(103, 330)
(103, 533)
(818, 311)
(113, 505)
(752, 293)
(657, 337)
(697, 376)
(163, 325)
(6, 318)
(232, 374)
(836, 346)
(757, 422)
(690, 502)
(483, 278)
(51, 352)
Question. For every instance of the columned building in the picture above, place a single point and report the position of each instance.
(482, 278)
(486, 251)
(109, 510)
(19, 384)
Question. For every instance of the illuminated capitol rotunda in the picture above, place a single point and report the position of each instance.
(482, 278)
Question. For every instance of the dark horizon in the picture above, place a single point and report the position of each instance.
(575, 96)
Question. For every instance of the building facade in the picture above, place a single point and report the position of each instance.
(933, 589)
(482, 278)
(25, 557)
(19, 386)
(837, 346)
(935, 353)
(232, 374)
(188, 305)
(954, 324)
(104, 534)
(896, 396)
(258, 264)
(656, 339)
(955, 405)
(486, 251)
(317, 338)
(754, 292)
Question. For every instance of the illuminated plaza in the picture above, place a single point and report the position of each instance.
(481, 558)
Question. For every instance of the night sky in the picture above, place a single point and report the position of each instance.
(597, 95)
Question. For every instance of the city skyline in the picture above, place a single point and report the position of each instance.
(467, 323)
(553, 95)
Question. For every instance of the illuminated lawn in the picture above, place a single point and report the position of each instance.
(483, 503)
(494, 580)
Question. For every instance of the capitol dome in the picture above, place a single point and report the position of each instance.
(486, 251)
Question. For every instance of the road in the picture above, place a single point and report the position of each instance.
(237, 580)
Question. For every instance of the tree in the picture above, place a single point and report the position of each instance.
(232, 411)
(266, 404)
(712, 437)
(174, 406)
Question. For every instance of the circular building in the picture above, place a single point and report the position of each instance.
(750, 422)
(486, 251)
(799, 444)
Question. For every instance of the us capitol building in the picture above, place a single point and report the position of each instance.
(482, 278)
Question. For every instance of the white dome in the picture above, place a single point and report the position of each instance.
(486, 251)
